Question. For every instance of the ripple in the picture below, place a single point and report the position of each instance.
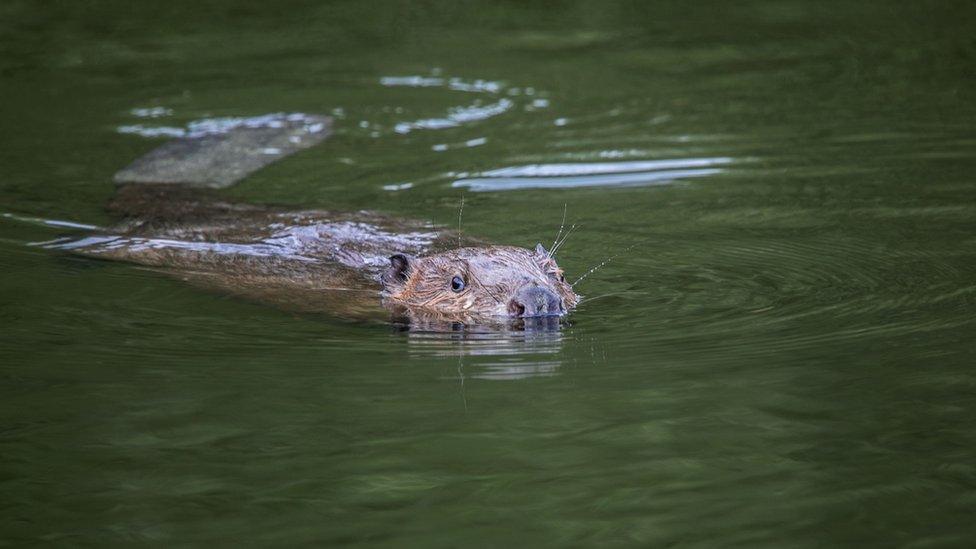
(476, 142)
(217, 126)
(456, 84)
(508, 98)
(799, 294)
(151, 112)
(456, 116)
(492, 353)
(592, 174)
(57, 223)
(565, 169)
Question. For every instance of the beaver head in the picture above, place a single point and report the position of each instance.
(490, 281)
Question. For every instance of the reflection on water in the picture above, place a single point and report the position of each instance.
(514, 350)
(460, 115)
(455, 84)
(476, 142)
(151, 112)
(48, 222)
(592, 168)
(456, 116)
(217, 126)
(592, 174)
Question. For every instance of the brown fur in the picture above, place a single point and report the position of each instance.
(318, 260)
(492, 277)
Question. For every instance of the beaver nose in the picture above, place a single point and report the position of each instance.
(535, 301)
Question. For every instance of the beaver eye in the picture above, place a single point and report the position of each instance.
(562, 278)
(457, 284)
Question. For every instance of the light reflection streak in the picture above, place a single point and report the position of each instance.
(591, 174)
(456, 116)
(217, 126)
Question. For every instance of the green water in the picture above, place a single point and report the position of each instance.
(784, 359)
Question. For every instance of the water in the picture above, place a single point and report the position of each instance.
(784, 358)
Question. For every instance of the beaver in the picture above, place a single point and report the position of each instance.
(309, 260)
(494, 281)
(342, 263)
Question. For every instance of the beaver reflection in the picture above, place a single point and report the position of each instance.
(512, 349)
(403, 320)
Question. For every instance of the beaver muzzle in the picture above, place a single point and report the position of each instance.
(535, 301)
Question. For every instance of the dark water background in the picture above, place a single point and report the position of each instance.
(785, 360)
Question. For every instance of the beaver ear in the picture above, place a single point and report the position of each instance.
(541, 250)
(399, 270)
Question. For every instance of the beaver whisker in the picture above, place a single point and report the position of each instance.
(563, 241)
(605, 261)
(596, 297)
(460, 211)
(561, 225)
(591, 271)
(483, 287)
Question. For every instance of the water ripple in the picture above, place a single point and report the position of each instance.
(592, 174)
(456, 84)
(218, 126)
(759, 297)
(456, 116)
(492, 353)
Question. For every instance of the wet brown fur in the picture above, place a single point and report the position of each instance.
(341, 267)
(492, 275)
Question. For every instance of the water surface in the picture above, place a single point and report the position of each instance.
(782, 358)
